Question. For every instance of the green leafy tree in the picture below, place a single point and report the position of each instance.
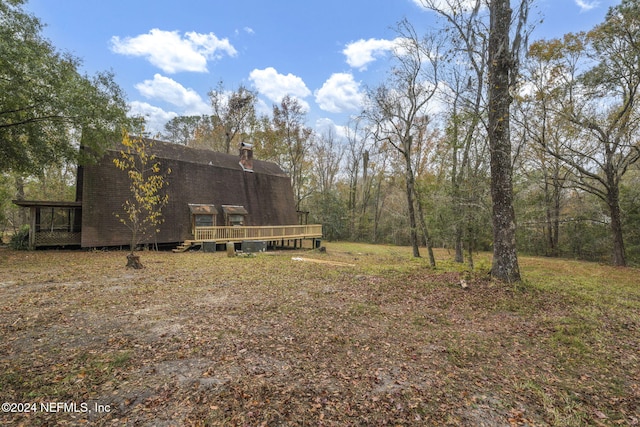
(601, 106)
(47, 108)
(142, 212)
(547, 68)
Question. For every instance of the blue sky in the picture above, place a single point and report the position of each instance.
(167, 55)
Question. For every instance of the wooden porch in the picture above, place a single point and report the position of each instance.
(53, 223)
(273, 235)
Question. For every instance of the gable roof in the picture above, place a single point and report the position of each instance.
(200, 179)
(168, 150)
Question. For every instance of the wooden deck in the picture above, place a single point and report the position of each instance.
(263, 233)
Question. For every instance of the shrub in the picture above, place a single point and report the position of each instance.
(20, 240)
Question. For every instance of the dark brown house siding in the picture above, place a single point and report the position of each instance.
(197, 177)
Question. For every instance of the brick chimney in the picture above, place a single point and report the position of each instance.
(246, 157)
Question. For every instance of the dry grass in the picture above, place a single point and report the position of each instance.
(202, 339)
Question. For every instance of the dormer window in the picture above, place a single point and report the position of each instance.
(234, 215)
(202, 216)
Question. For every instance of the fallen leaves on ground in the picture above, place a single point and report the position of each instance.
(357, 339)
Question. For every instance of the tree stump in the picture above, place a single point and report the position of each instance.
(133, 261)
(231, 249)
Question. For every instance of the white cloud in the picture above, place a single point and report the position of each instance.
(324, 125)
(586, 6)
(363, 52)
(155, 117)
(276, 86)
(339, 93)
(247, 30)
(171, 52)
(168, 90)
(262, 108)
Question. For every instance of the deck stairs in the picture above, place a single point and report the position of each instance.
(186, 245)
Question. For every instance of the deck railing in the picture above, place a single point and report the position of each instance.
(238, 234)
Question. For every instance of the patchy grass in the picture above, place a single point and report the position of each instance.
(202, 339)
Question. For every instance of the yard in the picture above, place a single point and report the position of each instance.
(368, 336)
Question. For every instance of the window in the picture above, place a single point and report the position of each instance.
(236, 219)
(202, 215)
(204, 220)
(56, 219)
(234, 215)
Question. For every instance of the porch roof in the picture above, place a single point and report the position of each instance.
(234, 210)
(47, 204)
(200, 209)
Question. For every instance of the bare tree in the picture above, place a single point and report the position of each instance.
(232, 113)
(466, 80)
(357, 154)
(362, 168)
(399, 110)
(187, 130)
(327, 154)
(291, 144)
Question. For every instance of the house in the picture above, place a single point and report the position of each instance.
(213, 197)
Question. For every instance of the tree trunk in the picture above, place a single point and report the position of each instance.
(413, 229)
(552, 211)
(459, 256)
(455, 195)
(505, 260)
(555, 236)
(353, 183)
(133, 261)
(618, 252)
(377, 213)
(410, 188)
(425, 232)
(22, 213)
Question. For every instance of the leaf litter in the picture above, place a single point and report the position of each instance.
(202, 339)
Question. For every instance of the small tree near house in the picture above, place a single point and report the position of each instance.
(142, 211)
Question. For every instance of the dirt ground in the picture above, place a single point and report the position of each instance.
(358, 339)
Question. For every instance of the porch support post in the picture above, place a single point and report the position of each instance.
(32, 227)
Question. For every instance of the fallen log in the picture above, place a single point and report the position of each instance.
(322, 261)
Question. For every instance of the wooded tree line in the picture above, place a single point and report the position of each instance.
(416, 166)
(476, 129)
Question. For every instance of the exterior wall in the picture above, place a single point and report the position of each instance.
(197, 176)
